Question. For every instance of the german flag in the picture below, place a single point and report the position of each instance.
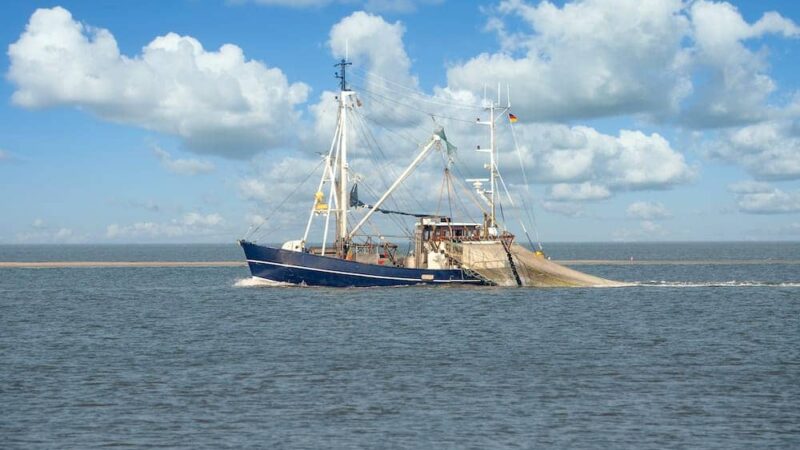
(512, 118)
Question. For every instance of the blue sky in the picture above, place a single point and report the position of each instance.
(639, 120)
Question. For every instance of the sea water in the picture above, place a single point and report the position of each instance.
(691, 356)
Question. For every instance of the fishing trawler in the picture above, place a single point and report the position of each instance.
(442, 250)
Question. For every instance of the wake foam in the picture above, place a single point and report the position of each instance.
(732, 283)
(254, 282)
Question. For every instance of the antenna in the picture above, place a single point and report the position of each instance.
(508, 95)
(342, 73)
(346, 48)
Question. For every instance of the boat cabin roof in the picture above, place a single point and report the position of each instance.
(434, 221)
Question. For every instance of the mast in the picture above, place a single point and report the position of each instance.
(491, 195)
(335, 173)
(492, 167)
(343, 194)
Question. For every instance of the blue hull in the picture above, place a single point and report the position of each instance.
(304, 268)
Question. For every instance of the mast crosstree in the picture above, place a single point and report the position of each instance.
(342, 74)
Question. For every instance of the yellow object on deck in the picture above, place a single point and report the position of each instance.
(319, 205)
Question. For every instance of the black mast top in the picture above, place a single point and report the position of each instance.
(342, 73)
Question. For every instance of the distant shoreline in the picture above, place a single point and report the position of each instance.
(190, 264)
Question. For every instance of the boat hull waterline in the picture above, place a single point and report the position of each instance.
(300, 268)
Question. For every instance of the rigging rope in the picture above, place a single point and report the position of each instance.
(528, 210)
(373, 95)
(367, 133)
(419, 93)
(251, 231)
(521, 223)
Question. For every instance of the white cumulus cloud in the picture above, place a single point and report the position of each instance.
(398, 6)
(216, 101)
(564, 208)
(182, 166)
(737, 83)
(631, 161)
(647, 211)
(761, 198)
(585, 59)
(192, 224)
(277, 180)
(370, 41)
(582, 191)
(685, 62)
(769, 150)
(40, 233)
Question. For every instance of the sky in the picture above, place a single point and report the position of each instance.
(194, 121)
